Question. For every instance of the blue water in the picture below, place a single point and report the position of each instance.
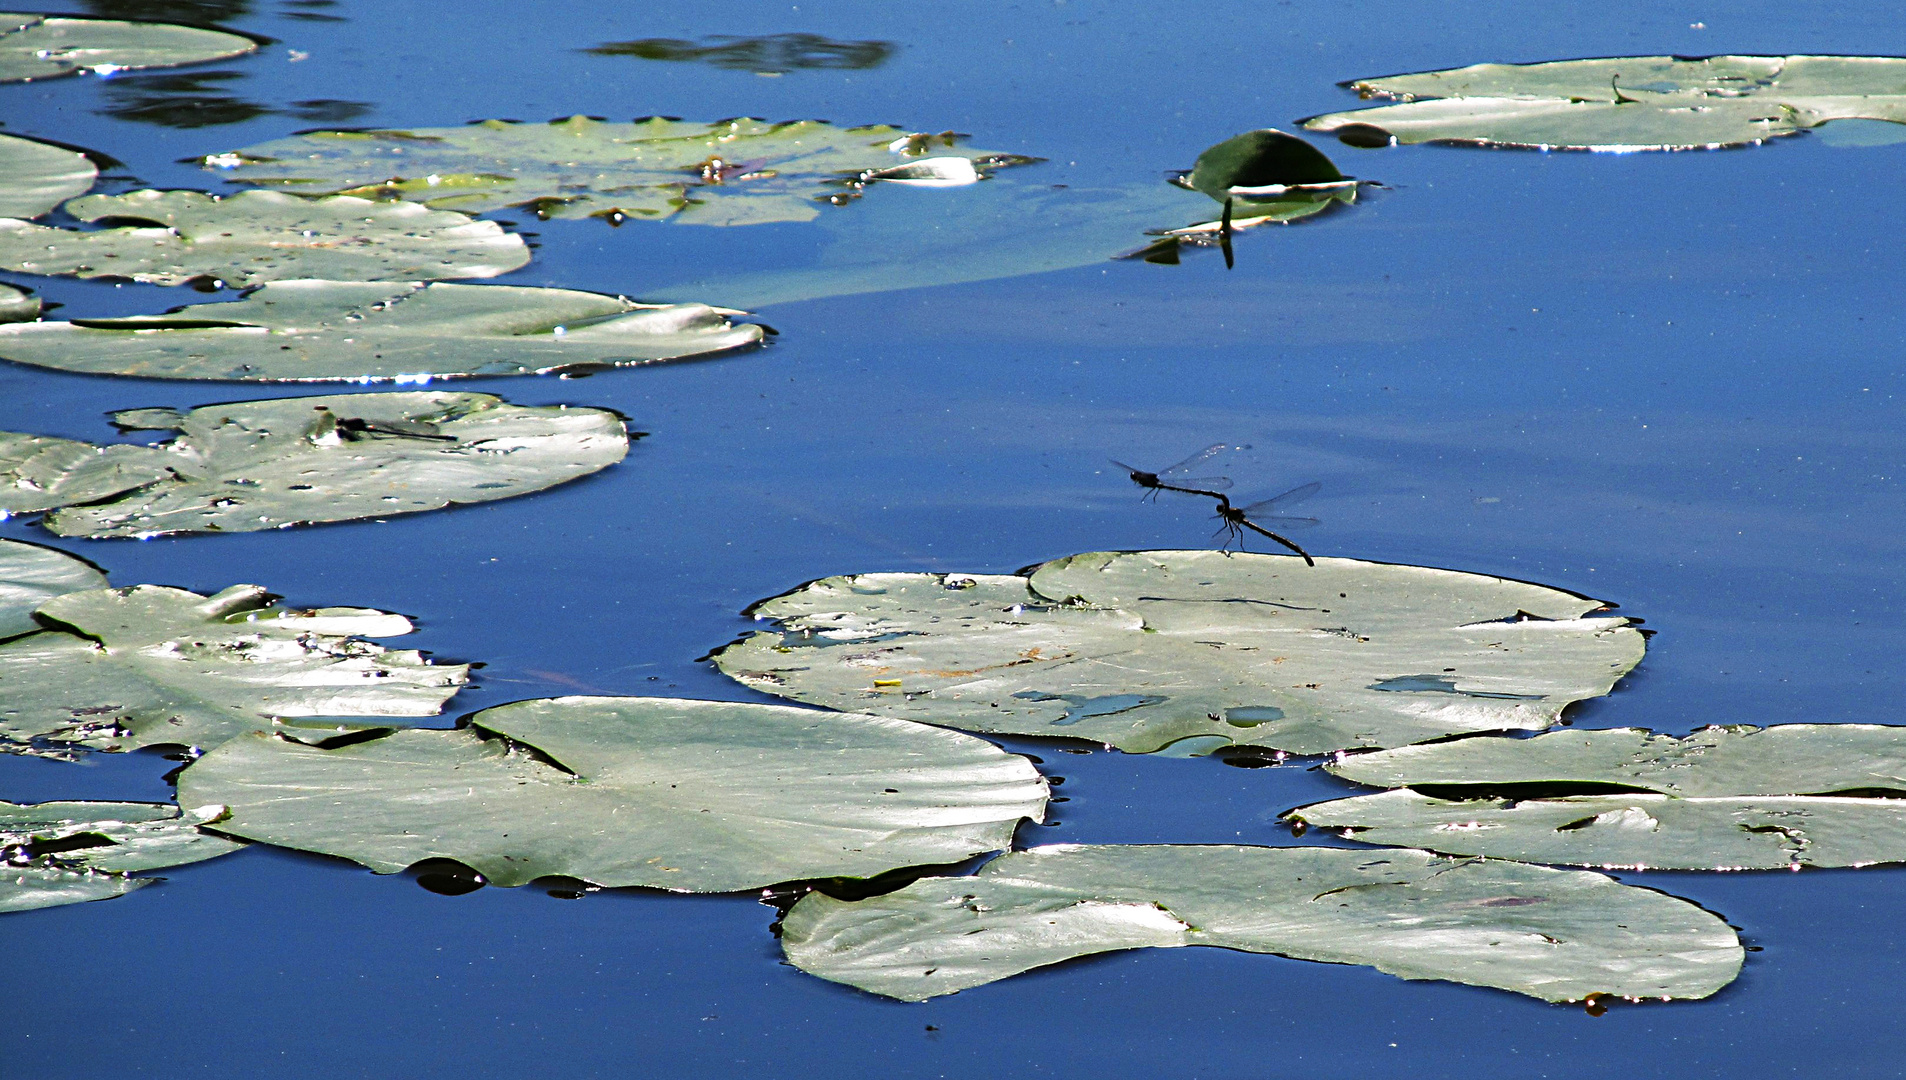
(1669, 381)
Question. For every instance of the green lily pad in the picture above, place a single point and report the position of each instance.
(1631, 831)
(1785, 759)
(71, 852)
(251, 465)
(1626, 103)
(690, 796)
(30, 575)
(17, 305)
(41, 47)
(257, 236)
(311, 331)
(1142, 650)
(156, 666)
(1555, 935)
(36, 177)
(731, 172)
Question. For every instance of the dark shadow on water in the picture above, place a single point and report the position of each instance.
(199, 99)
(772, 53)
(197, 12)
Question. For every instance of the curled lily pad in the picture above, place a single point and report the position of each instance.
(1739, 759)
(150, 665)
(1626, 102)
(71, 852)
(17, 305)
(35, 176)
(41, 47)
(310, 331)
(691, 796)
(256, 236)
(731, 172)
(1555, 935)
(30, 575)
(1144, 650)
(1261, 177)
(251, 465)
(1631, 831)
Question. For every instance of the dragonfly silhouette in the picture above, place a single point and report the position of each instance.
(1173, 478)
(1236, 519)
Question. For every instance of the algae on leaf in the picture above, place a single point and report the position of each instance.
(730, 172)
(251, 465)
(30, 575)
(36, 177)
(1642, 831)
(150, 665)
(310, 331)
(71, 852)
(1143, 650)
(1626, 103)
(690, 796)
(257, 236)
(1556, 935)
(36, 46)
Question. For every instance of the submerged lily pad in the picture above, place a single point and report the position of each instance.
(1627, 102)
(731, 172)
(690, 796)
(71, 852)
(30, 575)
(310, 331)
(251, 465)
(41, 47)
(1555, 935)
(1143, 650)
(256, 236)
(1739, 759)
(1631, 831)
(35, 176)
(150, 665)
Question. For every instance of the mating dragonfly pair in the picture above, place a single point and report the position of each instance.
(1235, 519)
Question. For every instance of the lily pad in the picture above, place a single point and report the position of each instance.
(1785, 759)
(17, 305)
(1626, 103)
(1555, 935)
(252, 465)
(312, 331)
(71, 852)
(1631, 831)
(690, 796)
(150, 665)
(41, 47)
(1144, 650)
(257, 236)
(36, 177)
(1262, 177)
(730, 172)
(30, 575)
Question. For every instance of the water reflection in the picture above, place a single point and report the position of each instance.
(311, 11)
(201, 99)
(201, 12)
(772, 54)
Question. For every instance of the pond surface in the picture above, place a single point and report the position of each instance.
(1671, 381)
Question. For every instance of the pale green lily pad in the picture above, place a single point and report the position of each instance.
(1626, 103)
(17, 305)
(251, 465)
(156, 666)
(1140, 650)
(690, 796)
(71, 852)
(313, 331)
(41, 46)
(1785, 759)
(257, 236)
(36, 177)
(1631, 831)
(731, 172)
(1555, 935)
(30, 575)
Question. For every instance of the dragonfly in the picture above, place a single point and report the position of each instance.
(1258, 516)
(1173, 478)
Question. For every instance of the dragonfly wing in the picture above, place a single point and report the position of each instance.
(1203, 455)
(1208, 483)
(1286, 524)
(1289, 498)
